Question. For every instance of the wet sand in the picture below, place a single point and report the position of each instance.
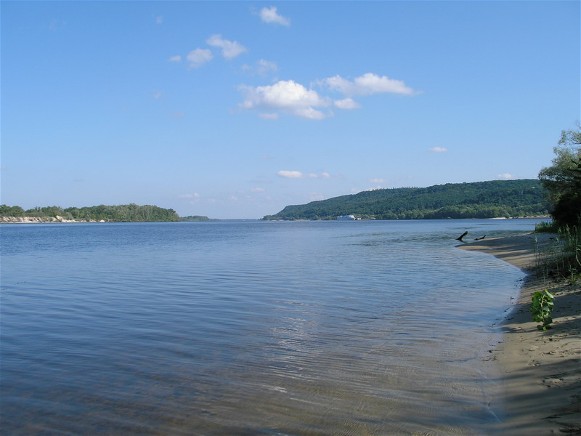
(541, 371)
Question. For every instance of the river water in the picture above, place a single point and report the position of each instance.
(250, 327)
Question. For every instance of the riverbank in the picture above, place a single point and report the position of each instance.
(42, 220)
(541, 371)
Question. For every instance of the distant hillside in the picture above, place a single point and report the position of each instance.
(498, 198)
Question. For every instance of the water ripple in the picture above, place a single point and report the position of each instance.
(247, 328)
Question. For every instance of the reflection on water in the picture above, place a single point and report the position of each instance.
(249, 328)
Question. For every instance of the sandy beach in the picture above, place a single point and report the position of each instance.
(541, 371)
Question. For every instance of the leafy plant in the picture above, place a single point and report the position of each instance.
(542, 308)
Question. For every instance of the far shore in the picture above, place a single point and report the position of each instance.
(541, 371)
(42, 220)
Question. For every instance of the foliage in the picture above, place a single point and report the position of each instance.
(129, 212)
(562, 179)
(195, 218)
(561, 257)
(542, 309)
(499, 198)
(16, 211)
(546, 227)
(571, 252)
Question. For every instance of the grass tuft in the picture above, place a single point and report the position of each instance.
(561, 257)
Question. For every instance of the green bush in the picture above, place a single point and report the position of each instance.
(542, 309)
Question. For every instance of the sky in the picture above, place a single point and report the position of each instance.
(237, 109)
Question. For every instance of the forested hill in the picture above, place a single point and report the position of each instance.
(498, 198)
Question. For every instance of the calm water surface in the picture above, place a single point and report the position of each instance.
(269, 328)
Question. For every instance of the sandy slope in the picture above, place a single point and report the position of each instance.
(541, 370)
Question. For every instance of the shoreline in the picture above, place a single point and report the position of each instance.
(43, 220)
(540, 371)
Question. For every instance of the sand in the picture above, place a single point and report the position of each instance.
(541, 371)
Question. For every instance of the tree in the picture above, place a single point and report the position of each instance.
(562, 180)
(11, 210)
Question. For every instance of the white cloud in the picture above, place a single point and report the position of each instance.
(377, 180)
(300, 175)
(288, 96)
(175, 58)
(271, 16)
(323, 175)
(290, 174)
(346, 103)
(159, 20)
(230, 49)
(438, 149)
(199, 57)
(368, 84)
(505, 176)
(157, 95)
(265, 67)
(258, 190)
(310, 113)
(261, 68)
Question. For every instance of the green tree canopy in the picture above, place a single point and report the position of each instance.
(562, 180)
(497, 198)
(124, 212)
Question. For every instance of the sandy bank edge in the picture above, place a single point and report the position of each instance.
(541, 370)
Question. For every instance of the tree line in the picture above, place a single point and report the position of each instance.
(123, 213)
(498, 198)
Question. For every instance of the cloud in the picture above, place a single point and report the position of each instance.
(157, 95)
(261, 68)
(323, 175)
(376, 180)
(230, 49)
(287, 96)
(271, 16)
(158, 20)
(198, 57)
(175, 58)
(288, 174)
(367, 84)
(505, 176)
(300, 175)
(438, 149)
(346, 103)
(265, 66)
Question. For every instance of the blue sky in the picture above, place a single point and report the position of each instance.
(237, 109)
